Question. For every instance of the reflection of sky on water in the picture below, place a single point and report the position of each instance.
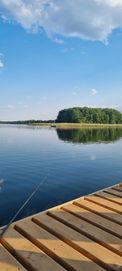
(1, 183)
(73, 168)
(93, 157)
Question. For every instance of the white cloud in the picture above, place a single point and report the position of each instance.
(76, 91)
(1, 61)
(118, 107)
(86, 19)
(94, 92)
(26, 106)
(68, 50)
(1, 64)
(58, 41)
(9, 106)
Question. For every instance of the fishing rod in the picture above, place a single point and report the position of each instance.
(22, 207)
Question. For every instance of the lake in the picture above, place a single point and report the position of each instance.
(69, 163)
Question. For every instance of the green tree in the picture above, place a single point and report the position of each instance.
(90, 115)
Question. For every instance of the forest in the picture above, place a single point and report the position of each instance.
(90, 115)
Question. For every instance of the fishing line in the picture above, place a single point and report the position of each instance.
(23, 205)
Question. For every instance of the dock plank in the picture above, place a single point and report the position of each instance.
(8, 262)
(71, 258)
(31, 256)
(114, 192)
(81, 235)
(117, 188)
(99, 210)
(94, 219)
(80, 242)
(105, 203)
(110, 197)
(95, 233)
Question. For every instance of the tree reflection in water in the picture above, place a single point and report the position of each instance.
(89, 135)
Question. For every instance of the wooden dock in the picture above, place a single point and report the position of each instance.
(82, 235)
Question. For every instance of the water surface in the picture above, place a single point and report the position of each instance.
(75, 162)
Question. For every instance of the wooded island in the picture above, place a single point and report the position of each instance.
(77, 116)
(90, 115)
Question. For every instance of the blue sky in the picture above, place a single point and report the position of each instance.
(46, 66)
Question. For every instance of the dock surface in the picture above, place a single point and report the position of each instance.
(82, 235)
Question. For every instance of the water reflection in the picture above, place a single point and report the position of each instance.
(1, 183)
(90, 135)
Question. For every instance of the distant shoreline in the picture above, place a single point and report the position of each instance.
(65, 125)
(77, 125)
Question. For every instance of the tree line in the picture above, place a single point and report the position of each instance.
(90, 115)
(27, 122)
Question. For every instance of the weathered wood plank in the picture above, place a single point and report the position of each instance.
(8, 262)
(114, 192)
(31, 256)
(81, 235)
(72, 259)
(110, 197)
(105, 203)
(95, 233)
(117, 188)
(80, 242)
(99, 210)
(94, 219)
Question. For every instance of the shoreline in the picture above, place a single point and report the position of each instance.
(65, 125)
(76, 125)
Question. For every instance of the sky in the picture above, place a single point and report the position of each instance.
(58, 54)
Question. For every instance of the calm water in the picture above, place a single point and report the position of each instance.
(75, 162)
